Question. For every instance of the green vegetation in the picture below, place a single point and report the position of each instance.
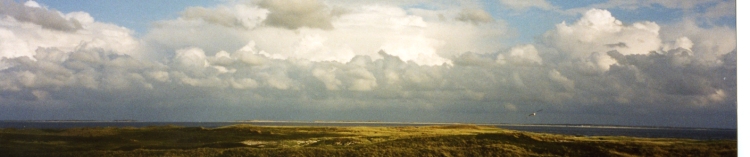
(248, 140)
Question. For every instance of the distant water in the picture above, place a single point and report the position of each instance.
(689, 133)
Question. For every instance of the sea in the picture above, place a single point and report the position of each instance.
(577, 130)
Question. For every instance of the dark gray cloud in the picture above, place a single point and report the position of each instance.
(50, 19)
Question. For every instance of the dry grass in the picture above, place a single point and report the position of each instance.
(248, 140)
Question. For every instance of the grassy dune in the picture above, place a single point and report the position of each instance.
(247, 140)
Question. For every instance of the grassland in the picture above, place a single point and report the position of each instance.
(248, 140)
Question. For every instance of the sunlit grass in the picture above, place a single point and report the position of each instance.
(249, 140)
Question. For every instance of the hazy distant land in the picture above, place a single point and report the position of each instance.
(250, 140)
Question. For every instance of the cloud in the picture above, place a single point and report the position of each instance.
(32, 4)
(362, 80)
(521, 55)
(381, 62)
(633, 5)
(293, 14)
(523, 5)
(328, 78)
(598, 31)
(682, 42)
(722, 9)
(510, 107)
(26, 29)
(33, 13)
(192, 60)
(234, 16)
(475, 16)
(681, 76)
(363, 83)
(708, 43)
(54, 69)
(678, 4)
(568, 84)
(221, 16)
(416, 35)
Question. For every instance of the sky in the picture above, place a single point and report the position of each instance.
(638, 63)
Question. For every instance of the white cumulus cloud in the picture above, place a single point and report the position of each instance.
(598, 32)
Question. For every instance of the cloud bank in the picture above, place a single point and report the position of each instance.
(258, 60)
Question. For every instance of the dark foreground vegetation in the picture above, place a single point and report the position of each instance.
(247, 140)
